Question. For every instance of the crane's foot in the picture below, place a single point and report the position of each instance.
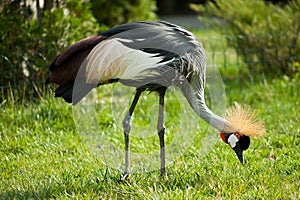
(163, 172)
(163, 175)
(124, 176)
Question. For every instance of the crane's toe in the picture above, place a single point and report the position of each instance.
(124, 176)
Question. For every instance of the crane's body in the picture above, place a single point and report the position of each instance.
(145, 55)
(134, 54)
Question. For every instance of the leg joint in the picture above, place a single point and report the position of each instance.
(127, 124)
(161, 130)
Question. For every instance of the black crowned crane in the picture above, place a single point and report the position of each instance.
(148, 56)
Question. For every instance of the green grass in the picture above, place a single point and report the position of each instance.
(42, 156)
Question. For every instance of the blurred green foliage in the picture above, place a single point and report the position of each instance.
(33, 33)
(30, 40)
(111, 13)
(264, 34)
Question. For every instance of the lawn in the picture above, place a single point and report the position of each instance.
(48, 149)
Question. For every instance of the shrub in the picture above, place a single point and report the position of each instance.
(29, 43)
(111, 13)
(265, 35)
(32, 34)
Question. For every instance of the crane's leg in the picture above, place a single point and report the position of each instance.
(127, 128)
(161, 132)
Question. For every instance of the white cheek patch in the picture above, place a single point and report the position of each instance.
(232, 140)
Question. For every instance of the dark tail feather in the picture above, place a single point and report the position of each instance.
(71, 96)
(65, 92)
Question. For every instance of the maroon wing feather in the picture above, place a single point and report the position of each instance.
(81, 45)
(65, 66)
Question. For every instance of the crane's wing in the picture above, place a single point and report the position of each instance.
(143, 53)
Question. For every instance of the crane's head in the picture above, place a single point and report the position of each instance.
(243, 124)
(237, 142)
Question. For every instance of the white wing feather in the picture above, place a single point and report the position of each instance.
(111, 59)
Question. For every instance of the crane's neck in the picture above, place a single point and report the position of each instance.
(197, 102)
(214, 120)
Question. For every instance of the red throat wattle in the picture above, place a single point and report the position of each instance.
(223, 137)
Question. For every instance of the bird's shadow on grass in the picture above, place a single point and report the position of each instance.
(97, 184)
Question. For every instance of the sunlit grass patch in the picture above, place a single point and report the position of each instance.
(42, 154)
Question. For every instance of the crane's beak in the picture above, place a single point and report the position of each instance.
(239, 152)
